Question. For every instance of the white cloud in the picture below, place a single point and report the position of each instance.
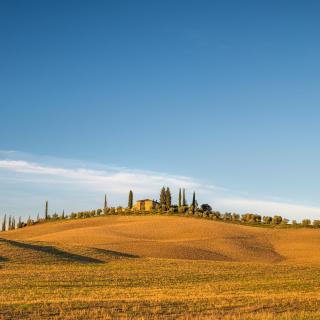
(118, 181)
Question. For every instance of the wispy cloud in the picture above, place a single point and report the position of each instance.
(118, 180)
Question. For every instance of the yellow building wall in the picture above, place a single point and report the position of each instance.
(148, 205)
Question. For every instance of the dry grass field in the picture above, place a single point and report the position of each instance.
(158, 267)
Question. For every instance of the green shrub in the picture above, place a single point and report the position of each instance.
(306, 222)
(276, 220)
(316, 223)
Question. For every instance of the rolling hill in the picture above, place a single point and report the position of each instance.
(103, 238)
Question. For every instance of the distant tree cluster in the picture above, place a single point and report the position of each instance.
(163, 206)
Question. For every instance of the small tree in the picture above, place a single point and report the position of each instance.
(306, 222)
(30, 222)
(206, 207)
(55, 216)
(267, 220)
(62, 216)
(130, 200)
(180, 198)
(9, 223)
(276, 220)
(235, 217)
(19, 223)
(316, 223)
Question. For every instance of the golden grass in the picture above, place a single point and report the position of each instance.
(89, 269)
(182, 238)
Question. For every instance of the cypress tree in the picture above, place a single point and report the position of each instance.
(105, 202)
(62, 214)
(180, 200)
(193, 202)
(9, 223)
(184, 202)
(130, 200)
(19, 223)
(46, 210)
(168, 199)
(4, 223)
(163, 197)
(13, 223)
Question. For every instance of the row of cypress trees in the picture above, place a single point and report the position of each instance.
(11, 225)
(165, 202)
(165, 198)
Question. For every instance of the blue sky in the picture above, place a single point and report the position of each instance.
(221, 96)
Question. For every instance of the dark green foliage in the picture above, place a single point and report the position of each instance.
(276, 220)
(20, 224)
(267, 220)
(4, 223)
(73, 215)
(163, 197)
(235, 217)
(316, 223)
(168, 199)
(193, 202)
(184, 201)
(206, 207)
(62, 216)
(183, 209)
(9, 223)
(13, 223)
(55, 216)
(227, 216)
(29, 222)
(251, 218)
(130, 200)
(105, 202)
(306, 222)
(46, 211)
(180, 198)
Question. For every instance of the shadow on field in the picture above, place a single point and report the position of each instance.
(3, 259)
(115, 254)
(52, 251)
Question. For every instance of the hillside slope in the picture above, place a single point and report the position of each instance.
(169, 237)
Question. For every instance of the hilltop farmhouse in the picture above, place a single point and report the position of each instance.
(145, 205)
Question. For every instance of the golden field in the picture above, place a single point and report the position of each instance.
(158, 267)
